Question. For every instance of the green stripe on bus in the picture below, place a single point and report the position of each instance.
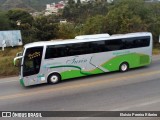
(76, 73)
(133, 59)
(22, 82)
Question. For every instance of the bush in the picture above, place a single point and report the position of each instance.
(6, 62)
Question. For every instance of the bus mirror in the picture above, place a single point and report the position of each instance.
(19, 54)
(17, 61)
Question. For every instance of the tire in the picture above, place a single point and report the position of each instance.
(54, 78)
(124, 67)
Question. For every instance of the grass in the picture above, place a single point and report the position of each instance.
(6, 61)
(156, 51)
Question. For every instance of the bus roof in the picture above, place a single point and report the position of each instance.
(86, 38)
(95, 36)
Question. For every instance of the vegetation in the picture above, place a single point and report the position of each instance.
(156, 51)
(31, 5)
(6, 62)
(122, 16)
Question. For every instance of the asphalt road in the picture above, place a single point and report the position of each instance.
(135, 90)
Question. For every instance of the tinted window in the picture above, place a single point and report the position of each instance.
(136, 42)
(55, 51)
(77, 49)
(95, 47)
(98, 46)
(112, 45)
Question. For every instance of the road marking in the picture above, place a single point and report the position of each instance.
(156, 59)
(82, 85)
(125, 108)
(8, 81)
(135, 106)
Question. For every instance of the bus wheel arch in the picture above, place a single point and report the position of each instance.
(54, 78)
(124, 66)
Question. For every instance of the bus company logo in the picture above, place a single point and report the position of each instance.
(6, 114)
(34, 55)
(76, 61)
(121, 53)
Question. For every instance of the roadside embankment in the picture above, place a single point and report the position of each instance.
(6, 62)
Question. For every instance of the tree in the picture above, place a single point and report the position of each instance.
(19, 15)
(138, 7)
(25, 23)
(154, 22)
(71, 2)
(45, 29)
(94, 25)
(4, 21)
(66, 31)
(78, 3)
(124, 18)
(79, 13)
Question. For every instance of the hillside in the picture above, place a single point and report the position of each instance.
(31, 5)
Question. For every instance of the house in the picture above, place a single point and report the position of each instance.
(54, 8)
(109, 1)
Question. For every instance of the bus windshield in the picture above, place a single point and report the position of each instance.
(32, 61)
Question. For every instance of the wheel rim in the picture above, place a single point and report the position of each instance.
(124, 67)
(54, 79)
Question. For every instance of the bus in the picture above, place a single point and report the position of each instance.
(54, 61)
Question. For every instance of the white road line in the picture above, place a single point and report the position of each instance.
(128, 107)
(137, 105)
(8, 81)
(155, 60)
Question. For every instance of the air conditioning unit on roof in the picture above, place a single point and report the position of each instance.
(95, 36)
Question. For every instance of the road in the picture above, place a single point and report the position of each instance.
(137, 89)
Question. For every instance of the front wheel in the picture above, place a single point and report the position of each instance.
(124, 67)
(54, 78)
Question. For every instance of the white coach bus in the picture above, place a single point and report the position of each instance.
(53, 61)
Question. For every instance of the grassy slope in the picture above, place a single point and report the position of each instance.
(156, 51)
(6, 62)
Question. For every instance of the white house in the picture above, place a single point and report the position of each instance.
(109, 1)
(53, 8)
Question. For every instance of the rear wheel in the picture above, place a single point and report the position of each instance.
(54, 78)
(124, 67)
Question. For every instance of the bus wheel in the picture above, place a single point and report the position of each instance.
(54, 78)
(124, 67)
